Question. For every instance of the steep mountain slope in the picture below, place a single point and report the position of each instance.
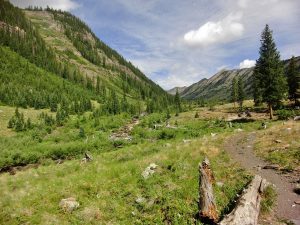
(179, 89)
(218, 87)
(60, 43)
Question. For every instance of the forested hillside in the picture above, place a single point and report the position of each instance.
(60, 43)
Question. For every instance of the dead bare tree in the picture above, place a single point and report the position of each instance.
(207, 206)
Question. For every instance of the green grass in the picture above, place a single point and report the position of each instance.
(286, 153)
(107, 188)
(43, 142)
(268, 199)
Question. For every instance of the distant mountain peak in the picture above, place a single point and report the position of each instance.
(179, 89)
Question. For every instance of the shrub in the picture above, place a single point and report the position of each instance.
(284, 114)
(166, 134)
(81, 133)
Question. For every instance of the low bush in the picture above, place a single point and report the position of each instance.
(284, 114)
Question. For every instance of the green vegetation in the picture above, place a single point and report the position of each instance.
(285, 114)
(270, 84)
(241, 92)
(234, 91)
(292, 74)
(285, 154)
(52, 113)
(268, 199)
(113, 181)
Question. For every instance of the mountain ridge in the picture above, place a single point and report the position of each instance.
(217, 87)
(179, 89)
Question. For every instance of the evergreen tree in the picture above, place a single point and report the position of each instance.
(241, 92)
(269, 80)
(177, 102)
(292, 78)
(297, 93)
(234, 91)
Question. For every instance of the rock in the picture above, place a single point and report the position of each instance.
(239, 130)
(140, 200)
(168, 145)
(213, 134)
(68, 204)
(220, 184)
(297, 189)
(149, 170)
(272, 167)
(297, 202)
(296, 118)
(278, 141)
(186, 141)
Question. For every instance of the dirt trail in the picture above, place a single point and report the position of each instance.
(240, 148)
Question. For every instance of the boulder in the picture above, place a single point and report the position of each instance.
(68, 204)
(149, 170)
(140, 200)
(296, 118)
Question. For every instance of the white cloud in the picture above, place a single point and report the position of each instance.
(55, 4)
(247, 63)
(222, 31)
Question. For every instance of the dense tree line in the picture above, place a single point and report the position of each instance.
(18, 122)
(24, 85)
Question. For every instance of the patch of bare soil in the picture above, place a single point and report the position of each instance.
(240, 148)
(124, 132)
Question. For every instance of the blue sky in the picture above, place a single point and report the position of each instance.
(179, 42)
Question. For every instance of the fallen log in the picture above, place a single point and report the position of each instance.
(207, 206)
(247, 209)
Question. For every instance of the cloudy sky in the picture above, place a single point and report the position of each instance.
(179, 42)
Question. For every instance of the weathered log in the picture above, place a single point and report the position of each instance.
(247, 209)
(88, 157)
(207, 205)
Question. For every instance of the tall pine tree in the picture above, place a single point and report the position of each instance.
(292, 73)
(177, 102)
(234, 91)
(269, 80)
(297, 93)
(241, 92)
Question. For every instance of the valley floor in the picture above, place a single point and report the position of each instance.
(113, 187)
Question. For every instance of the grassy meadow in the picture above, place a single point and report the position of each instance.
(111, 189)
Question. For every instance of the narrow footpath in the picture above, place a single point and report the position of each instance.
(241, 149)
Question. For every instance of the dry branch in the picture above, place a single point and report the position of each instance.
(247, 209)
(207, 205)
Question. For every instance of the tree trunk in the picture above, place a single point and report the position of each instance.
(248, 207)
(271, 111)
(207, 205)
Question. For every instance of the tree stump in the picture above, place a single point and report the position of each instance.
(247, 209)
(207, 205)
